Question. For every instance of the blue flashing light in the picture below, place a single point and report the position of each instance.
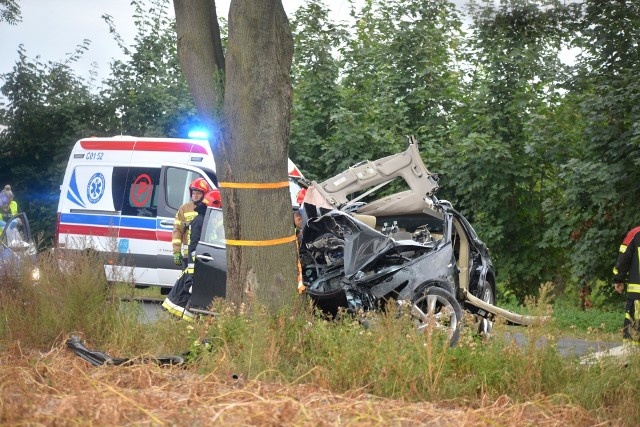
(198, 134)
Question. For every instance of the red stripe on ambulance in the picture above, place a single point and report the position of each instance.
(176, 147)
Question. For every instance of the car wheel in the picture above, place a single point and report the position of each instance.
(487, 294)
(438, 307)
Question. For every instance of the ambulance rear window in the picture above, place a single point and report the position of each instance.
(141, 192)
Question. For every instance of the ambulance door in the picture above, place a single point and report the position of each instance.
(137, 237)
(175, 180)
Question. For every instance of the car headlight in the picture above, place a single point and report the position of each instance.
(35, 274)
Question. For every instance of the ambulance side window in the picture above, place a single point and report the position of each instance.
(141, 192)
(177, 186)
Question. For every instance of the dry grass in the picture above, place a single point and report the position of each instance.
(59, 388)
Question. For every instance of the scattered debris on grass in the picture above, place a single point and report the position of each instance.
(98, 358)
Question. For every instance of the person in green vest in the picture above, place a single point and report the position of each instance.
(8, 206)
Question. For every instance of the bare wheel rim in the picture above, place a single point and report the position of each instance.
(436, 310)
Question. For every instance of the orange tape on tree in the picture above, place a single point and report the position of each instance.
(254, 185)
(271, 242)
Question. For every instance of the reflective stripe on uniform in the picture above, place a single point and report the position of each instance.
(177, 221)
(623, 248)
(176, 241)
(178, 311)
(190, 215)
(615, 270)
(633, 287)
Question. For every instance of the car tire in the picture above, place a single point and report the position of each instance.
(487, 293)
(440, 305)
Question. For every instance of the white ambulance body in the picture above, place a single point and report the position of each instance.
(120, 196)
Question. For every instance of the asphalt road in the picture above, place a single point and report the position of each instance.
(566, 346)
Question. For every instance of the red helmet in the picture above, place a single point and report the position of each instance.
(212, 198)
(199, 184)
(300, 195)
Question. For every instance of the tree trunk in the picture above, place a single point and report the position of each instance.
(253, 139)
(202, 59)
(257, 110)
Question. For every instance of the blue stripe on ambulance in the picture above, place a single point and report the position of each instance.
(73, 194)
(112, 221)
(86, 219)
(138, 222)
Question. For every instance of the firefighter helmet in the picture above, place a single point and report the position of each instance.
(300, 195)
(199, 184)
(212, 198)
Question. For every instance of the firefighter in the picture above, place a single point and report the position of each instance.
(177, 302)
(628, 262)
(197, 189)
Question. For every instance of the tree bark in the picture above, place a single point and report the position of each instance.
(257, 110)
(202, 59)
(253, 139)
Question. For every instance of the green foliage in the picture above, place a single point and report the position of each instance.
(147, 90)
(10, 11)
(400, 78)
(48, 108)
(357, 94)
(600, 182)
(315, 74)
(504, 161)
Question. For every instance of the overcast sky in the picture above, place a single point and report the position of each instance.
(52, 28)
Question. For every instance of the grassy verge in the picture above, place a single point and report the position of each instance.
(567, 318)
(296, 348)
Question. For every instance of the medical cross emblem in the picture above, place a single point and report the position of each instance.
(95, 188)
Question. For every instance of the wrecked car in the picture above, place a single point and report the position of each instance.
(408, 246)
(363, 247)
(17, 249)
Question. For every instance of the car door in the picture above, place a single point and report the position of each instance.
(175, 181)
(16, 245)
(210, 271)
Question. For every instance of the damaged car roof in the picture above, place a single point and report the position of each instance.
(369, 176)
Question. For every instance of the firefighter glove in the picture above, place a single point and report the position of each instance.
(177, 258)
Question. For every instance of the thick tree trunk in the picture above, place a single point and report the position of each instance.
(257, 109)
(252, 145)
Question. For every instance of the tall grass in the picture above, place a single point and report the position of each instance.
(386, 358)
(70, 297)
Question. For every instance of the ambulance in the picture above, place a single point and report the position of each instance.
(120, 195)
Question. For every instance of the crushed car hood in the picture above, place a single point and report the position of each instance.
(361, 244)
